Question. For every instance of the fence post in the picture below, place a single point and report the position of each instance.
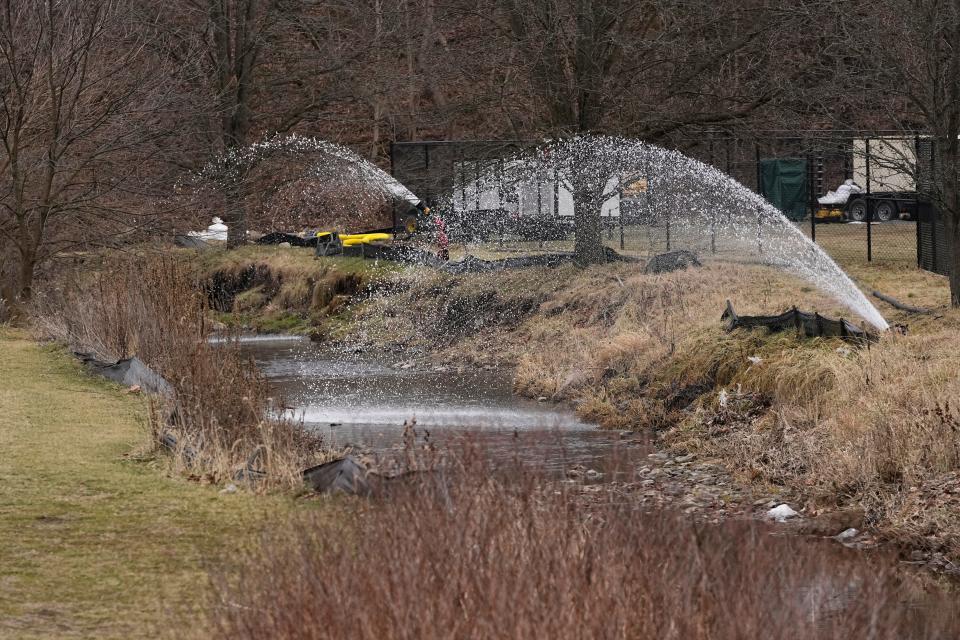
(869, 204)
(916, 199)
(760, 230)
(813, 226)
(620, 214)
(756, 147)
(916, 223)
(934, 212)
(932, 222)
(811, 196)
(713, 230)
(540, 216)
(393, 204)
(818, 179)
(556, 198)
(463, 180)
(668, 229)
(500, 210)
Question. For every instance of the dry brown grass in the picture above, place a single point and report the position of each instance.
(874, 426)
(869, 426)
(466, 554)
(155, 308)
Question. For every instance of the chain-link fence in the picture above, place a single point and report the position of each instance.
(878, 227)
(819, 161)
(889, 243)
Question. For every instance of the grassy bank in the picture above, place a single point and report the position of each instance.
(220, 409)
(97, 540)
(871, 428)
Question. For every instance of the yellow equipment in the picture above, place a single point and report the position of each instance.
(364, 238)
(834, 213)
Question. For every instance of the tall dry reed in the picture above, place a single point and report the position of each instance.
(469, 554)
(154, 307)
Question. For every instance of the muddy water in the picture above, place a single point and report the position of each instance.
(363, 400)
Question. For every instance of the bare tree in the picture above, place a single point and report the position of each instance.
(258, 67)
(643, 67)
(76, 105)
(901, 68)
(355, 71)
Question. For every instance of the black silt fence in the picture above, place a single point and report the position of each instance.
(933, 252)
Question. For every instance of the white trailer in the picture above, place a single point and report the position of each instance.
(546, 195)
(886, 170)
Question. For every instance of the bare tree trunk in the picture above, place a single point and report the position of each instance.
(29, 240)
(236, 42)
(79, 110)
(377, 100)
(28, 262)
(588, 247)
(235, 216)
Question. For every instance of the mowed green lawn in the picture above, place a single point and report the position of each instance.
(95, 540)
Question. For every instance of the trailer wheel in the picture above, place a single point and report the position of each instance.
(885, 211)
(858, 211)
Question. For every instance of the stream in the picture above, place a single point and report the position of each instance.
(362, 400)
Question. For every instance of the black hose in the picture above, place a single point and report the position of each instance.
(899, 305)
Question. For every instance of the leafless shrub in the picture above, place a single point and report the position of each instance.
(467, 554)
(155, 308)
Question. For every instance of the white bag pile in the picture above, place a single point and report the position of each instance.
(216, 231)
(842, 194)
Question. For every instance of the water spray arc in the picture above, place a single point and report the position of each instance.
(584, 179)
(327, 162)
(706, 209)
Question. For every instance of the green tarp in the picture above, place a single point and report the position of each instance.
(783, 182)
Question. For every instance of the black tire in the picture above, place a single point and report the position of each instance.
(857, 211)
(885, 211)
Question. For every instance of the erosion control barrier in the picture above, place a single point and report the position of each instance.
(810, 325)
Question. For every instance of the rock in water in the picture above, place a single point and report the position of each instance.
(847, 534)
(344, 475)
(782, 513)
(671, 261)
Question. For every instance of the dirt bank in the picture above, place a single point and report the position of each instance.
(284, 290)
